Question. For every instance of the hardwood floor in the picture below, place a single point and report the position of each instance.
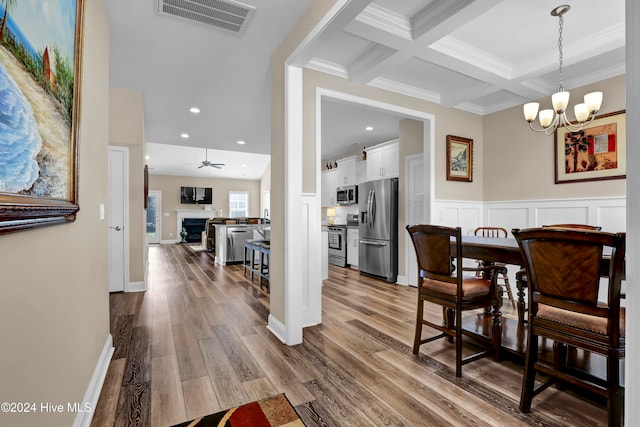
(196, 342)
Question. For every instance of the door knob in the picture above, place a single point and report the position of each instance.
(117, 228)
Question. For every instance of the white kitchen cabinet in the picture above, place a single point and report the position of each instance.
(383, 161)
(328, 183)
(361, 172)
(353, 237)
(347, 174)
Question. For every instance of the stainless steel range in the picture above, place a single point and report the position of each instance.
(337, 245)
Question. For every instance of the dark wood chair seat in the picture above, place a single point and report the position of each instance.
(582, 323)
(442, 282)
(563, 270)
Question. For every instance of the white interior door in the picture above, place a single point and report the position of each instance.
(118, 225)
(415, 193)
(154, 217)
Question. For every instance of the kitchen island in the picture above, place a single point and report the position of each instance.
(230, 240)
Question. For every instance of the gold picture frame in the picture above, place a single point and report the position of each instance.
(459, 158)
(40, 62)
(597, 152)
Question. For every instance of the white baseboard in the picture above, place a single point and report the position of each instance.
(277, 328)
(136, 287)
(90, 399)
(402, 280)
(167, 242)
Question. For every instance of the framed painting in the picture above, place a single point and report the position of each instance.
(459, 158)
(40, 63)
(597, 152)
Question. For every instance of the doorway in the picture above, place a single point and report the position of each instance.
(154, 217)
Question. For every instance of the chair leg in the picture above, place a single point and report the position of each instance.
(449, 319)
(458, 327)
(560, 351)
(418, 334)
(520, 285)
(496, 329)
(529, 377)
(615, 401)
(507, 285)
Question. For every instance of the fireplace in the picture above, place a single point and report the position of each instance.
(194, 228)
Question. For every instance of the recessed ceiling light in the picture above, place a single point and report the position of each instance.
(369, 128)
(244, 165)
(146, 157)
(184, 135)
(194, 110)
(241, 142)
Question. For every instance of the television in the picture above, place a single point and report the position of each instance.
(196, 195)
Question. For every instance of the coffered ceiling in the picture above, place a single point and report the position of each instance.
(480, 56)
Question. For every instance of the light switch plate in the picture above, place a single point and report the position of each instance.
(101, 211)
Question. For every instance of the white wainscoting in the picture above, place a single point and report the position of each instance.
(608, 212)
(311, 304)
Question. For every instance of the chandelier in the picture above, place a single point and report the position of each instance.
(552, 119)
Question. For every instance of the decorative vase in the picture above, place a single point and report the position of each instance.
(183, 234)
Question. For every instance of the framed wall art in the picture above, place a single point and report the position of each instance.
(40, 63)
(597, 152)
(459, 158)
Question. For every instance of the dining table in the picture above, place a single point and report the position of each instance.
(506, 251)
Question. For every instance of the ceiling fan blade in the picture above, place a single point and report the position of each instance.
(217, 165)
(200, 166)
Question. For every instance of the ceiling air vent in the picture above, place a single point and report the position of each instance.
(224, 14)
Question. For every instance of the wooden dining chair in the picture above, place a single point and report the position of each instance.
(521, 275)
(564, 274)
(500, 233)
(575, 226)
(442, 282)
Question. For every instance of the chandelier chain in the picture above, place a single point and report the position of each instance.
(561, 84)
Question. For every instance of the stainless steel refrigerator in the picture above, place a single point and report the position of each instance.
(378, 248)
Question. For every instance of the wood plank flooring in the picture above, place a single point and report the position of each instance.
(196, 342)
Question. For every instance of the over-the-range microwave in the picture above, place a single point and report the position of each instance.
(347, 195)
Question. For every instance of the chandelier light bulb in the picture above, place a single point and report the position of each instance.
(593, 101)
(581, 112)
(546, 117)
(560, 100)
(531, 111)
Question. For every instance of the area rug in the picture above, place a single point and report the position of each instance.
(196, 247)
(273, 411)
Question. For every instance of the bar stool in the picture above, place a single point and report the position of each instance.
(265, 253)
(247, 258)
(255, 266)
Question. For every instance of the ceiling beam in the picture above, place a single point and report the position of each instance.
(336, 24)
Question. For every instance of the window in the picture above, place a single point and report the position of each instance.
(238, 204)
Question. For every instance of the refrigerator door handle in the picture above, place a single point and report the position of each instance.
(369, 208)
(373, 208)
(373, 243)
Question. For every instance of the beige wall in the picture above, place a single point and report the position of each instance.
(265, 181)
(170, 187)
(309, 20)
(519, 163)
(54, 306)
(126, 129)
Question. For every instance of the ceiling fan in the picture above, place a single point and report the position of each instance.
(206, 162)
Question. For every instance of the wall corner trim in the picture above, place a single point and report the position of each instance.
(277, 328)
